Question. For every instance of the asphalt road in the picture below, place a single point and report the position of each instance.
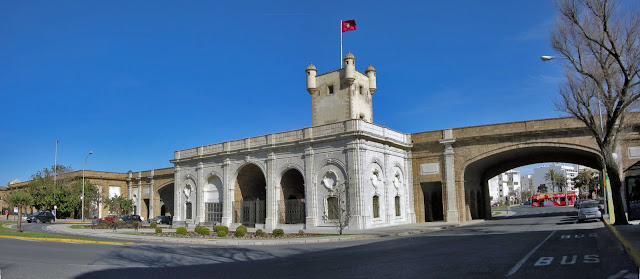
(534, 243)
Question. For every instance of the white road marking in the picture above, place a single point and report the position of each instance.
(521, 262)
(617, 275)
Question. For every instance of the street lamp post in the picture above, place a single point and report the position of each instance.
(82, 199)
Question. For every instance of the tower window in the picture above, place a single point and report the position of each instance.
(361, 90)
(330, 89)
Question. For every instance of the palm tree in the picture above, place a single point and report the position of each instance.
(556, 179)
(20, 199)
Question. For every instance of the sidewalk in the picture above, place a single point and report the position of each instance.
(129, 234)
(629, 236)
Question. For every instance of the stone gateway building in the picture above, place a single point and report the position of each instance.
(301, 179)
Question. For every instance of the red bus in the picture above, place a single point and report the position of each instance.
(553, 199)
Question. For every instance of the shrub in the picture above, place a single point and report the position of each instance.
(241, 231)
(278, 232)
(158, 230)
(259, 232)
(202, 230)
(220, 228)
(222, 233)
(300, 232)
(135, 224)
(154, 225)
(119, 223)
(104, 224)
(181, 230)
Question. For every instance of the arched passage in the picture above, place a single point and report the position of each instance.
(249, 196)
(291, 204)
(478, 172)
(166, 200)
(213, 200)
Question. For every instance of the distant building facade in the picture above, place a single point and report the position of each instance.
(505, 186)
(568, 171)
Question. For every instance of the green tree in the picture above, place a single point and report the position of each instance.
(586, 180)
(542, 188)
(557, 179)
(119, 205)
(21, 200)
(599, 39)
(43, 187)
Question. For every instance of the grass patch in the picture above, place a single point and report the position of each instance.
(13, 232)
(77, 226)
(495, 213)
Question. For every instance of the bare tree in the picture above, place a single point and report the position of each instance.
(601, 43)
(337, 208)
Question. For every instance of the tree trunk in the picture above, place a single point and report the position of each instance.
(616, 193)
(19, 219)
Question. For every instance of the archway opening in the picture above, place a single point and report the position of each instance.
(249, 196)
(166, 200)
(291, 207)
(477, 175)
(432, 194)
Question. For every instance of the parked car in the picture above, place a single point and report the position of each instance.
(589, 210)
(526, 203)
(41, 217)
(110, 218)
(131, 218)
(162, 220)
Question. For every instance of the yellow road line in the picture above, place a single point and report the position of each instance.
(64, 239)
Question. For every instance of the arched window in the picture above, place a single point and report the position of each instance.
(397, 205)
(376, 207)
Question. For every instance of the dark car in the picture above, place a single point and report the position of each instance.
(162, 220)
(41, 217)
(131, 218)
(110, 218)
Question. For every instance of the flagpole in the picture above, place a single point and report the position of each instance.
(340, 44)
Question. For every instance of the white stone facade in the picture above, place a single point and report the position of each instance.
(307, 168)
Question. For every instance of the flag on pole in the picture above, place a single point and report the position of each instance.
(348, 25)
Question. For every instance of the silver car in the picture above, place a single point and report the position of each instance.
(589, 210)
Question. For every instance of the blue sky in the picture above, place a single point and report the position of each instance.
(134, 81)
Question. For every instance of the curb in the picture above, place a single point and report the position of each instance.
(64, 239)
(633, 252)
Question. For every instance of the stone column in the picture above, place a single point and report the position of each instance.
(129, 184)
(408, 175)
(352, 182)
(449, 176)
(199, 206)
(227, 194)
(151, 215)
(177, 196)
(311, 202)
(139, 202)
(272, 189)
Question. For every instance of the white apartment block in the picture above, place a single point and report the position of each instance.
(503, 184)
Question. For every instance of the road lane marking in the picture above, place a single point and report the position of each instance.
(521, 262)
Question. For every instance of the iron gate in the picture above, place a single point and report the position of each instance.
(250, 213)
(213, 212)
(291, 211)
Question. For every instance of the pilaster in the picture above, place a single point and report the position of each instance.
(199, 206)
(151, 196)
(449, 176)
(353, 185)
(272, 189)
(227, 194)
(178, 203)
(139, 199)
(311, 201)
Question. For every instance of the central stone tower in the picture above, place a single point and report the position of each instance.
(342, 94)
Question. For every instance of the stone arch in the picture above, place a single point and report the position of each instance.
(292, 197)
(166, 196)
(189, 191)
(476, 171)
(250, 194)
(332, 184)
(213, 190)
(250, 183)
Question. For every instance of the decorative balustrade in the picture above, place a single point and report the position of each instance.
(296, 135)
